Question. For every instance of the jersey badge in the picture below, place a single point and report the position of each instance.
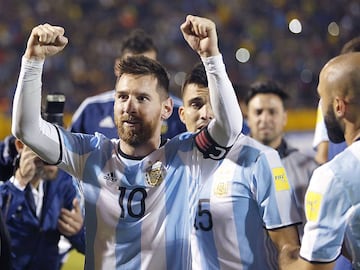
(312, 205)
(155, 174)
(221, 189)
(280, 178)
(110, 178)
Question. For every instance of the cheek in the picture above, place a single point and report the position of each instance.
(192, 115)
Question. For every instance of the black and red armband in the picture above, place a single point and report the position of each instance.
(209, 147)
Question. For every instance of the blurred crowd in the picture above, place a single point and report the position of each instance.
(95, 27)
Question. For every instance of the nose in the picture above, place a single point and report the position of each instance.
(129, 105)
(265, 116)
(206, 112)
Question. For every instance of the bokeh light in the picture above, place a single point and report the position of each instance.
(242, 55)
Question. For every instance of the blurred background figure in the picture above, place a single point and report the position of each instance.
(37, 202)
(5, 245)
(267, 117)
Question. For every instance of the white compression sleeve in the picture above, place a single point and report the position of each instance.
(227, 125)
(27, 124)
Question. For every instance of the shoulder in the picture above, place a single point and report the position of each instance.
(82, 142)
(103, 99)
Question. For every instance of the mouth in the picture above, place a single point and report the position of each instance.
(130, 123)
(201, 126)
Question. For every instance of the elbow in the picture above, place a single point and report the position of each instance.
(235, 129)
(16, 130)
(235, 133)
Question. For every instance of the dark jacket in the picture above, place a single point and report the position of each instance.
(35, 240)
(299, 168)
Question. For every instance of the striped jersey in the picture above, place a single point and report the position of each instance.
(248, 194)
(139, 213)
(332, 205)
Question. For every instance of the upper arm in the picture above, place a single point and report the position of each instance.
(322, 150)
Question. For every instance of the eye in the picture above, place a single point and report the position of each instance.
(272, 111)
(143, 98)
(197, 104)
(121, 96)
(258, 112)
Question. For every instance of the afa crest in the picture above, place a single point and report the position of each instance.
(221, 189)
(155, 174)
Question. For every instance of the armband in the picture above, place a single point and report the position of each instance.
(209, 147)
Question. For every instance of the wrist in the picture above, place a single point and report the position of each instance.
(29, 55)
(209, 53)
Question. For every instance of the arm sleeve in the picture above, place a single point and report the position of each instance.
(27, 124)
(227, 125)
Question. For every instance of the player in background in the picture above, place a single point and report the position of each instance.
(267, 117)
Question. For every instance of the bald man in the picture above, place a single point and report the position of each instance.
(332, 200)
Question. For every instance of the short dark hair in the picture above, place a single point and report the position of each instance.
(137, 42)
(142, 65)
(197, 75)
(266, 87)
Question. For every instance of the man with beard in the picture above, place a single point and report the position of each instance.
(333, 198)
(325, 149)
(96, 113)
(267, 117)
(140, 195)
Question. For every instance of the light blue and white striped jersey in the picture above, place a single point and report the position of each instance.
(332, 205)
(246, 195)
(139, 213)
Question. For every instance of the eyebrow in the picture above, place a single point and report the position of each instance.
(195, 99)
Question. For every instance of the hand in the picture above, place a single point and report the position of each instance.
(30, 166)
(71, 222)
(45, 40)
(200, 34)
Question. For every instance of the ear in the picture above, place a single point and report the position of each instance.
(19, 145)
(167, 108)
(181, 112)
(339, 106)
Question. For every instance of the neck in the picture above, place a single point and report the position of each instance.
(35, 183)
(352, 135)
(275, 143)
(141, 150)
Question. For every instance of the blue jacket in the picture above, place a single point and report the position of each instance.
(34, 241)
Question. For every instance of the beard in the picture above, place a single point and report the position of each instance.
(334, 130)
(135, 135)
